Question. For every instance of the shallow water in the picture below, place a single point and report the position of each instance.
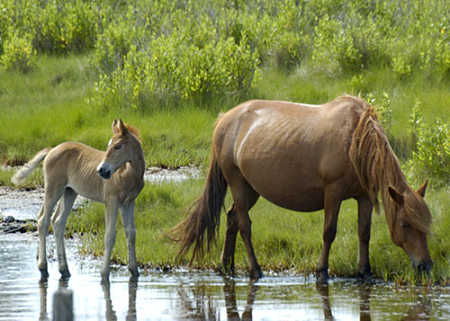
(198, 295)
(189, 295)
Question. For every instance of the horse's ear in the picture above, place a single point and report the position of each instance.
(122, 127)
(115, 129)
(422, 189)
(396, 196)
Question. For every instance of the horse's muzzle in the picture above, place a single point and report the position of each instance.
(104, 170)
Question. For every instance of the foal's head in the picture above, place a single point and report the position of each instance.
(411, 226)
(123, 147)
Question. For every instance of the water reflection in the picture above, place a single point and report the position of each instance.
(110, 314)
(229, 290)
(207, 298)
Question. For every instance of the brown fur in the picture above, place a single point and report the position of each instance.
(305, 158)
(114, 177)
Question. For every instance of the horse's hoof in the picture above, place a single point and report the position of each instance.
(225, 271)
(322, 276)
(256, 275)
(365, 276)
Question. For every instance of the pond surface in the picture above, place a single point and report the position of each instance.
(198, 295)
(187, 294)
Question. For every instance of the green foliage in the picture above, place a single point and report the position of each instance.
(18, 53)
(431, 157)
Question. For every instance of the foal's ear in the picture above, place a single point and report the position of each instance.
(118, 127)
(115, 129)
(422, 189)
(396, 196)
(122, 127)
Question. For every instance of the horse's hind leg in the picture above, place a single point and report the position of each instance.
(59, 220)
(244, 197)
(50, 199)
(230, 242)
(130, 230)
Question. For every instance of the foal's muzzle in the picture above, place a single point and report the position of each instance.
(105, 170)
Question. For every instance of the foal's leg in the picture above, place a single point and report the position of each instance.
(59, 220)
(112, 207)
(244, 198)
(332, 204)
(51, 197)
(130, 230)
(364, 223)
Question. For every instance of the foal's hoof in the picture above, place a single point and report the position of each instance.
(65, 274)
(322, 276)
(44, 275)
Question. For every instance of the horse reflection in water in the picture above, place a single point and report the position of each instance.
(110, 313)
(421, 310)
(202, 305)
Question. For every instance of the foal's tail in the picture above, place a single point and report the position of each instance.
(204, 215)
(26, 170)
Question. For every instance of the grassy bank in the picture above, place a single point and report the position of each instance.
(294, 245)
(68, 68)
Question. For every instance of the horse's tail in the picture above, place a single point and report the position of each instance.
(204, 215)
(26, 169)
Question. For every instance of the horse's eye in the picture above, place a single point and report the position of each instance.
(118, 146)
(404, 225)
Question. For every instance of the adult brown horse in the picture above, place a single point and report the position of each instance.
(114, 177)
(305, 158)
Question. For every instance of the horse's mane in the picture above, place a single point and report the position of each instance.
(378, 168)
(134, 131)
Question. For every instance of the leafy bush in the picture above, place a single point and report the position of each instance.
(18, 53)
(431, 156)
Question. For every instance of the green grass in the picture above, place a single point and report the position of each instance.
(293, 245)
(51, 105)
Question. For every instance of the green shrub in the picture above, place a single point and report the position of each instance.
(18, 53)
(431, 157)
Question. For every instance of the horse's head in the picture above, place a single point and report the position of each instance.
(121, 149)
(411, 226)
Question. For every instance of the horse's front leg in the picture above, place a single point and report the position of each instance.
(364, 223)
(51, 197)
(332, 204)
(130, 230)
(110, 236)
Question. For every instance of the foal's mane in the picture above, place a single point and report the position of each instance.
(378, 168)
(134, 131)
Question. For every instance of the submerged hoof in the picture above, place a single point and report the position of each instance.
(65, 274)
(364, 277)
(256, 275)
(225, 271)
(44, 274)
(322, 276)
(134, 272)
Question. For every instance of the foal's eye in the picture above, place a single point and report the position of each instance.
(118, 146)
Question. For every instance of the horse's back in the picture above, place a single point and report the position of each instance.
(290, 152)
